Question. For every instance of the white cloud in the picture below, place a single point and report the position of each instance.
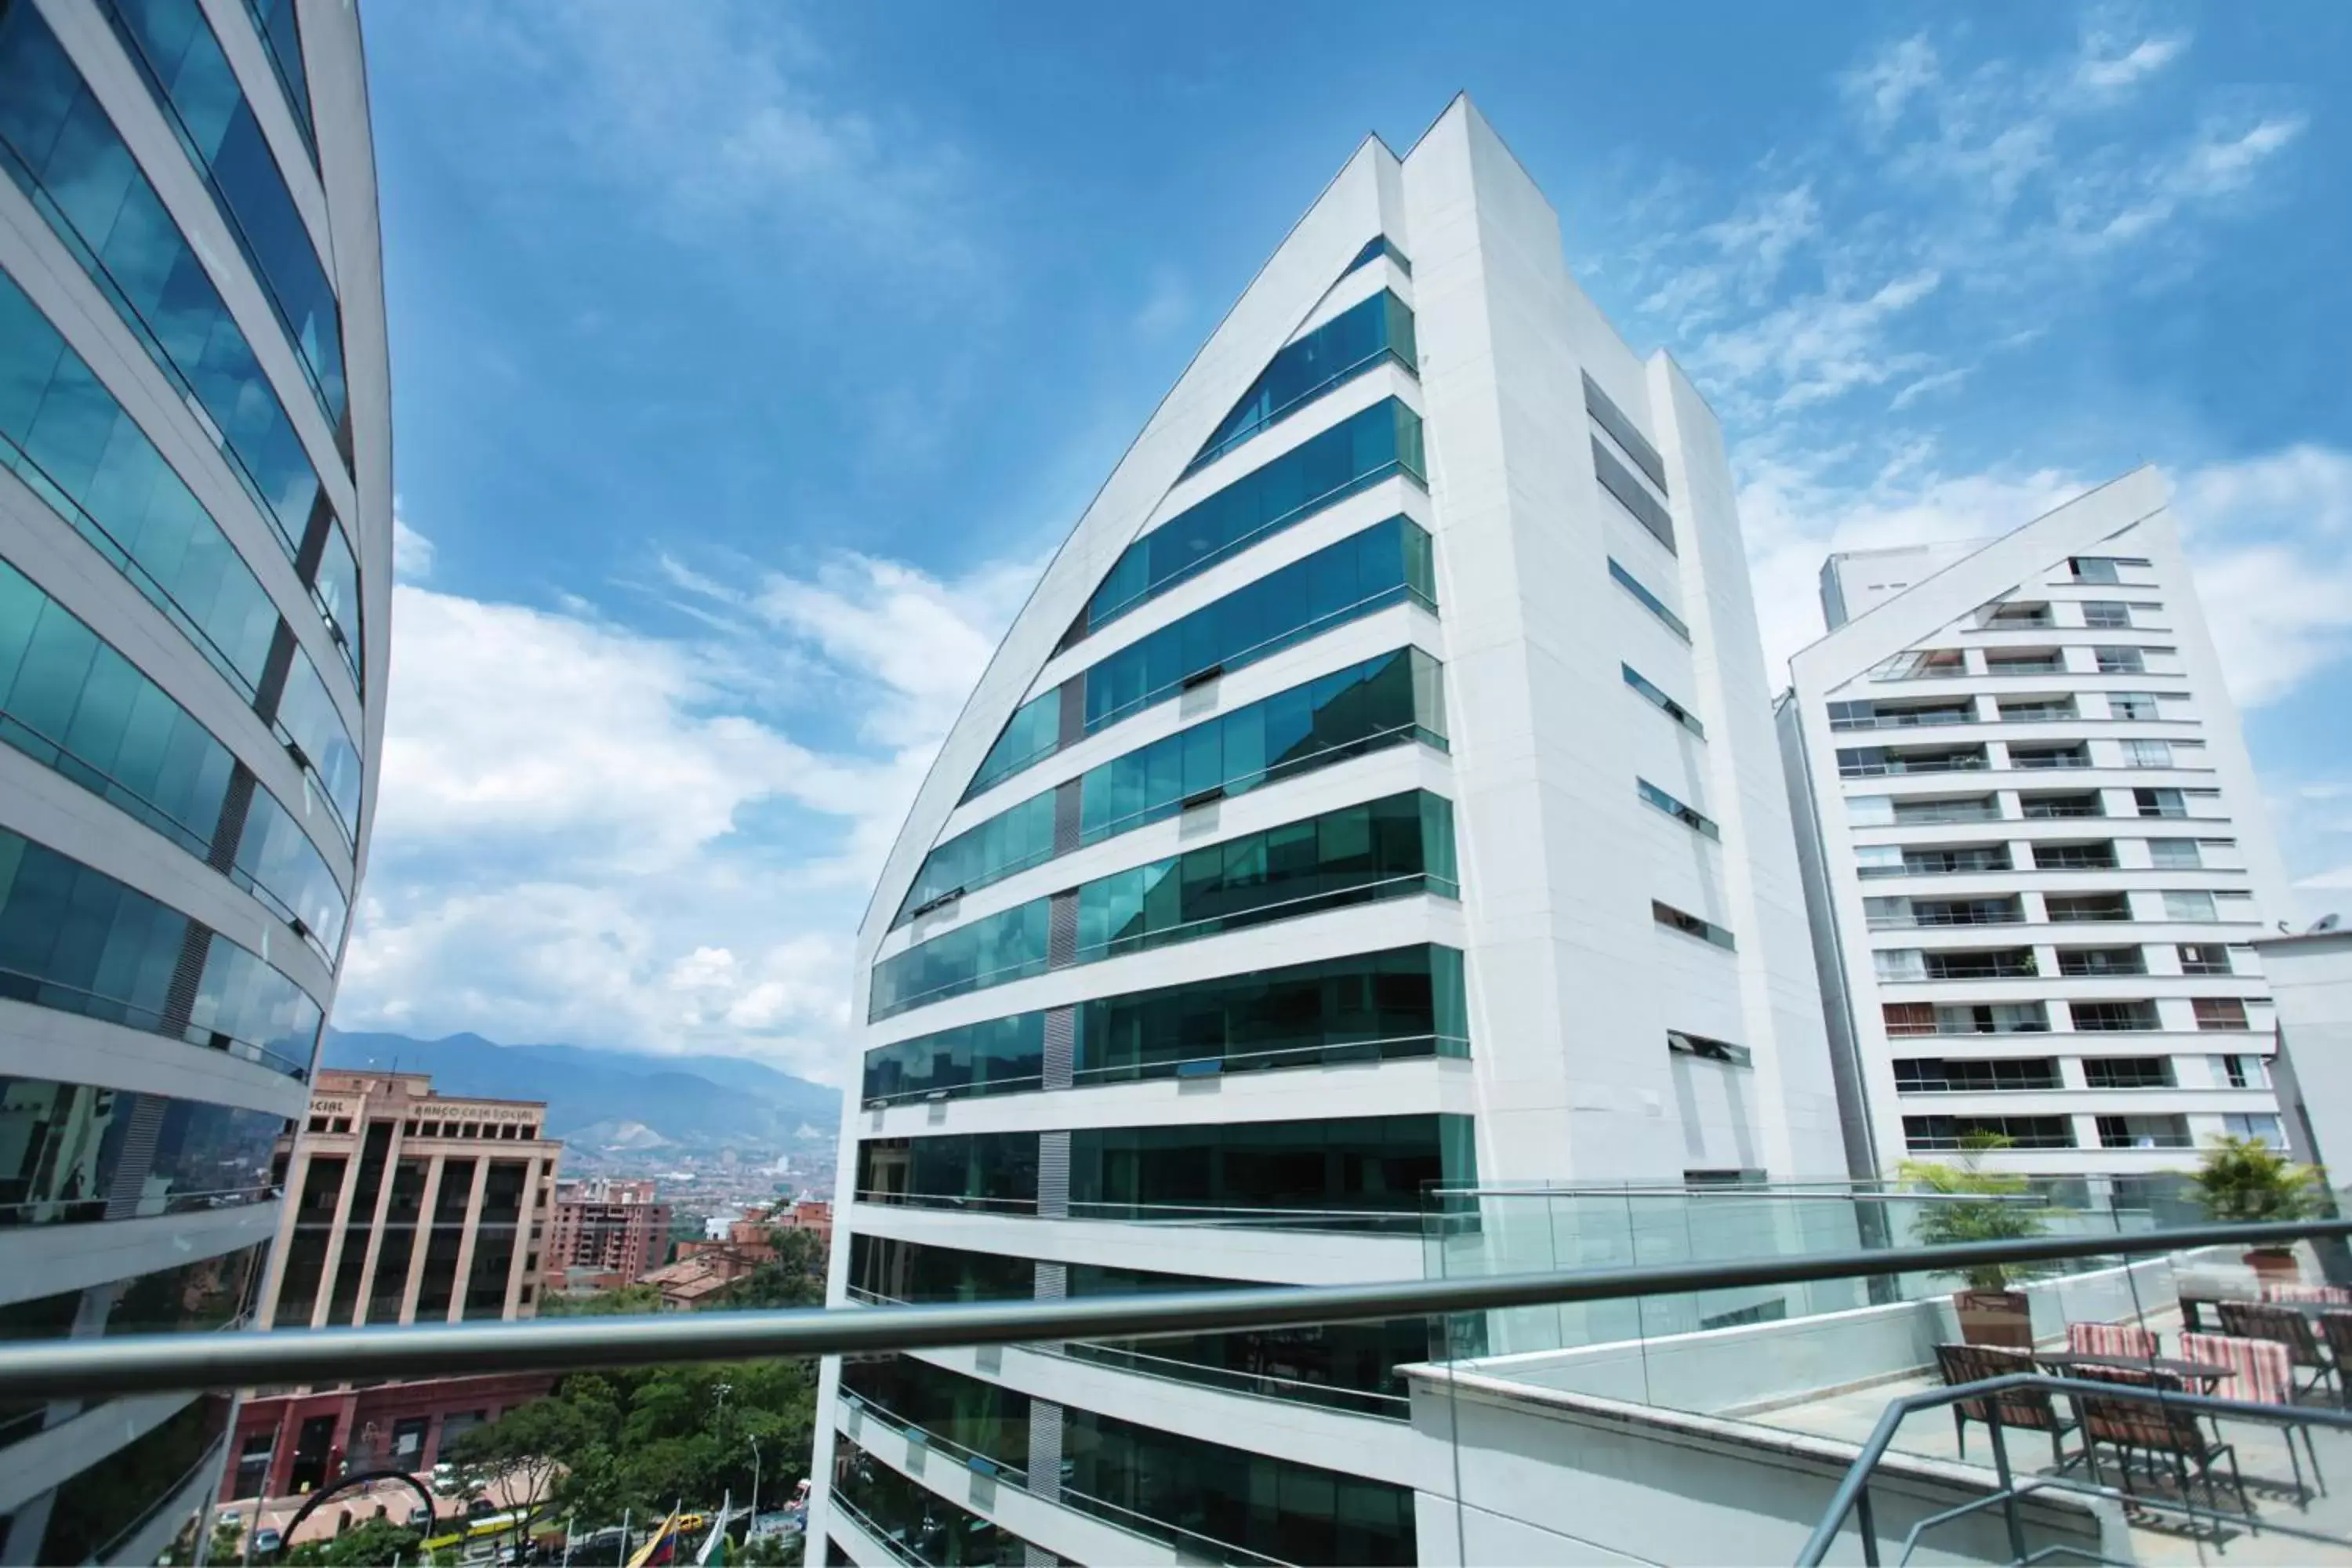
(2103, 71)
(591, 832)
(412, 553)
(1886, 86)
(2271, 537)
(721, 113)
(1814, 348)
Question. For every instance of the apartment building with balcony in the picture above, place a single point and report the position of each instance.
(1378, 793)
(195, 596)
(606, 1228)
(2035, 852)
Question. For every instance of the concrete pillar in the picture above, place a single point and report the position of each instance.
(473, 1229)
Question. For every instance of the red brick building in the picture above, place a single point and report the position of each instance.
(605, 1226)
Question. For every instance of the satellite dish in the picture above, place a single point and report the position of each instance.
(2325, 923)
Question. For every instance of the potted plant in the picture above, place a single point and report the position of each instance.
(1968, 1203)
(2244, 1181)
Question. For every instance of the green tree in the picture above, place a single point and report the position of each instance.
(1972, 1203)
(2244, 1181)
(366, 1544)
(519, 1460)
(795, 1277)
(628, 1301)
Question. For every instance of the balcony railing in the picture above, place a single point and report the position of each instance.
(1702, 1259)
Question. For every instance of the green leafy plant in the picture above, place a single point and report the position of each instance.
(1972, 1203)
(2244, 1181)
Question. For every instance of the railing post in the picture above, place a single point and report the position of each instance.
(1867, 1523)
(2009, 1510)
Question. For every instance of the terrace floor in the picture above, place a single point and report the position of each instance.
(2157, 1538)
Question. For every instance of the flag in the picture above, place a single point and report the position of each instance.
(661, 1548)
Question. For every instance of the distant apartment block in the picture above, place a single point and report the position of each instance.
(606, 1226)
(2036, 856)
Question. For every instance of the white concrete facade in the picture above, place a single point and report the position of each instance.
(128, 1225)
(2310, 979)
(1574, 979)
(2036, 855)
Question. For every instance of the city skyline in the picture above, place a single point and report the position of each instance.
(782, 579)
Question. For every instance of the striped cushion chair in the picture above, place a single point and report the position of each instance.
(2261, 1372)
(2324, 1295)
(2112, 1339)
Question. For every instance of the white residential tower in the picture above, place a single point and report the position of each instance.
(2035, 851)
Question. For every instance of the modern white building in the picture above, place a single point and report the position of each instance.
(1377, 794)
(196, 586)
(2036, 851)
(2310, 979)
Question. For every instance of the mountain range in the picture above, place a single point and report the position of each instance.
(615, 1098)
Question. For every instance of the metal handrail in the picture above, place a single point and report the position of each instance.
(1852, 1488)
(178, 1362)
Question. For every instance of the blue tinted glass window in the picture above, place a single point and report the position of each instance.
(1385, 564)
(68, 1141)
(998, 1055)
(336, 591)
(75, 704)
(63, 434)
(310, 716)
(280, 863)
(1386, 701)
(200, 95)
(1689, 816)
(1620, 482)
(1374, 249)
(1320, 472)
(1031, 735)
(990, 951)
(1659, 700)
(282, 37)
(1342, 582)
(1357, 339)
(1184, 1491)
(1650, 601)
(58, 143)
(77, 940)
(1393, 847)
(1613, 419)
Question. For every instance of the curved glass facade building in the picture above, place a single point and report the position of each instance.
(1378, 795)
(195, 580)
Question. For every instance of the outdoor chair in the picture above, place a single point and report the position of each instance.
(2112, 1339)
(2265, 1321)
(2335, 1328)
(2326, 1295)
(2027, 1407)
(2260, 1374)
(2166, 1435)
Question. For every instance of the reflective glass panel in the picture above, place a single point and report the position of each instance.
(75, 1153)
(77, 940)
(59, 144)
(73, 703)
(1364, 335)
(1326, 469)
(63, 434)
(199, 94)
(1387, 700)
(311, 717)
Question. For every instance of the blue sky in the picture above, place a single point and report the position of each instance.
(748, 359)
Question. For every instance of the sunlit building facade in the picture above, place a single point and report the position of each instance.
(195, 550)
(2037, 853)
(1377, 799)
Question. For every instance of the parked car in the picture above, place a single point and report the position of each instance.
(267, 1539)
(420, 1517)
